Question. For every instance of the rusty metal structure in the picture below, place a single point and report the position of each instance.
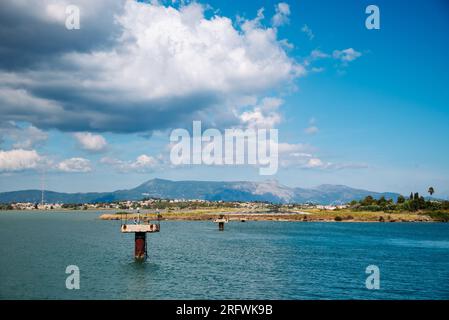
(140, 228)
(221, 221)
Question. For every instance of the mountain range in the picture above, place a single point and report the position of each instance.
(269, 190)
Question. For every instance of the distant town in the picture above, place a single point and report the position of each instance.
(165, 204)
(414, 208)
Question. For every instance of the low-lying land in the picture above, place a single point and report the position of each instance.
(412, 209)
(305, 216)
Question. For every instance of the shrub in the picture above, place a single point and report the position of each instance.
(371, 208)
(338, 218)
(439, 216)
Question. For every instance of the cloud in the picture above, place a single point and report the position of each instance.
(74, 165)
(281, 16)
(143, 163)
(295, 155)
(18, 160)
(30, 137)
(350, 165)
(311, 130)
(295, 148)
(346, 55)
(253, 23)
(318, 54)
(314, 56)
(317, 69)
(305, 161)
(34, 32)
(162, 67)
(316, 163)
(304, 156)
(264, 115)
(22, 137)
(308, 32)
(91, 142)
(342, 56)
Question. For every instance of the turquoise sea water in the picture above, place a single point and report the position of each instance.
(193, 260)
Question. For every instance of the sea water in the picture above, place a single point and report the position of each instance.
(193, 260)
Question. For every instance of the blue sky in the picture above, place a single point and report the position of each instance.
(378, 120)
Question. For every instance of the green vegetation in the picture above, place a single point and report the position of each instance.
(6, 206)
(72, 206)
(439, 216)
(414, 203)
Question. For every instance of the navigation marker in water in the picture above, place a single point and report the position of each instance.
(140, 230)
(221, 221)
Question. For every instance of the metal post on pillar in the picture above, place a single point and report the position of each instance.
(140, 250)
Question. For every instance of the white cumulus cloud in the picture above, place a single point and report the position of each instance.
(143, 163)
(264, 115)
(316, 163)
(282, 14)
(91, 142)
(74, 165)
(164, 67)
(18, 159)
(346, 55)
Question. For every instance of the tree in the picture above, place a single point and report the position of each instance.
(382, 201)
(411, 195)
(401, 199)
(416, 196)
(421, 203)
(367, 201)
(413, 205)
(431, 191)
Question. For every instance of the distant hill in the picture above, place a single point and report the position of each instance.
(269, 190)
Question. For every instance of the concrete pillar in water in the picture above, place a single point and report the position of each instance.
(140, 247)
(221, 226)
(140, 237)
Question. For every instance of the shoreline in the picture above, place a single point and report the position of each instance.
(286, 216)
(269, 216)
